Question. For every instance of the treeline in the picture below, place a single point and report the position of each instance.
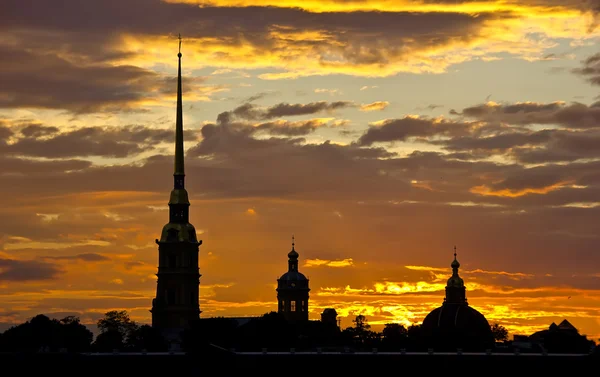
(117, 332)
(270, 331)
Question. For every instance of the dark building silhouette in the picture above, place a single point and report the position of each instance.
(329, 315)
(455, 324)
(561, 338)
(177, 303)
(292, 291)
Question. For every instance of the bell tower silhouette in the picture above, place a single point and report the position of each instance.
(292, 290)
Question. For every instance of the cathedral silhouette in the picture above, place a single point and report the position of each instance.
(176, 305)
(455, 324)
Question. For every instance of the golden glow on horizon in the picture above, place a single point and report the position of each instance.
(459, 6)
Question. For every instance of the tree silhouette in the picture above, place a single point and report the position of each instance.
(360, 335)
(116, 331)
(147, 338)
(44, 334)
(117, 320)
(500, 332)
(394, 335)
(76, 336)
(416, 340)
(360, 323)
(109, 341)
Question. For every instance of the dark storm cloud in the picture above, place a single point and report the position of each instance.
(38, 130)
(287, 128)
(248, 23)
(26, 270)
(60, 56)
(250, 111)
(259, 96)
(85, 257)
(533, 178)
(590, 69)
(233, 164)
(562, 146)
(322, 168)
(42, 141)
(573, 136)
(49, 81)
(496, 144)
(391, 130)
(130, 265)
(14, 165)
(526, 146)
(5, 133)
(573, 115)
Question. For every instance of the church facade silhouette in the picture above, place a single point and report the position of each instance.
(176, 305)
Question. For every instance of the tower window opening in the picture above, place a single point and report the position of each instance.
(293, 306)
(172, 260)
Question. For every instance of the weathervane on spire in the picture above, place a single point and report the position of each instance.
(293, 241)
(454, 252)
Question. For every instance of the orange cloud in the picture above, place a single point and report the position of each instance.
(328, 263)
(508, 193)
(379, 105)
(519, 7)
(516, 275)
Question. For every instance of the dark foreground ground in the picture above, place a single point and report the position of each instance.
(223, 364)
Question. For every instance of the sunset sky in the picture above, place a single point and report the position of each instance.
(379, 133)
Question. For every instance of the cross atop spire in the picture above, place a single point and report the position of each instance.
(179, 54)
(455, 288)
(293, 255)
(455, 264)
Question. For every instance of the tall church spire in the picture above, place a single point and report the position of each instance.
(179, 165)
(176, 305)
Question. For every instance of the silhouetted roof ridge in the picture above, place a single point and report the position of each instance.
(566, 325)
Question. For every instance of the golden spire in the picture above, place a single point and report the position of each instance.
(179, 168)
